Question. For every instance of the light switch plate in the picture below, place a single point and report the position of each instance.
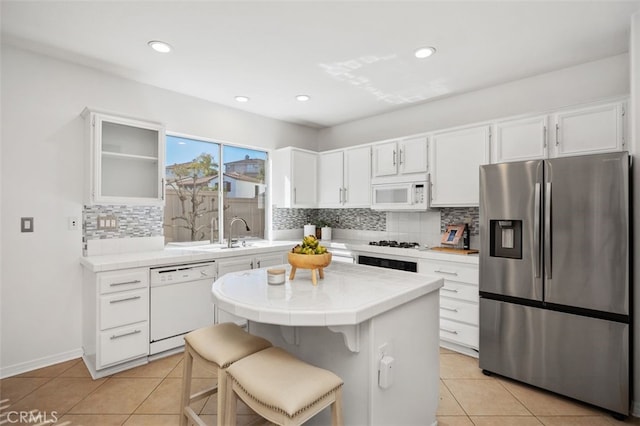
(26, 224)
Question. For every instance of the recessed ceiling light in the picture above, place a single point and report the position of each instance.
(303, 98)
(160, 46)
(242, 99)
(424, 52)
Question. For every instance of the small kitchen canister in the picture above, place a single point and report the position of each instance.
(309, 230)
(275, 276)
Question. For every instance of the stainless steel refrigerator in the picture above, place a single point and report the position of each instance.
(554, 276)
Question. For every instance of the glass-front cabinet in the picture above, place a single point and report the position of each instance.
(126, 160)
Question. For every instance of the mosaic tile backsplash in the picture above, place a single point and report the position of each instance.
(358, 219)
(132, 222)
(456, 215)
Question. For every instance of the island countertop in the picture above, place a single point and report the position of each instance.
(349, 294)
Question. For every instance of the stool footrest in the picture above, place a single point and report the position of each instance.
(203, 394)
(188, 411)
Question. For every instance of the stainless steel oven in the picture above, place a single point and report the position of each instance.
(385, 262)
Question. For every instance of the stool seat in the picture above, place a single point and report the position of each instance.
(282, 388)
(216, 347)
(224, 343)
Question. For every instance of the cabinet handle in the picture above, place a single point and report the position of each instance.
(447, 330)
(544, 136)
(345, 195)
(124, 283)
(448, 308)
(162, 188)
(258, 262)
(442, 271)
(557, 134)
(400, 157)
(394, 157)
(117, 336)
(452, 290)
(124, 300)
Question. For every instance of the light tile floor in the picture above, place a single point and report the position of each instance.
(149, 395)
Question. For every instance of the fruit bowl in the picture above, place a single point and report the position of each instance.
(309, 261)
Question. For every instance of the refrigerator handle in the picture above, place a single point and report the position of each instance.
(547, 231)
(536, 231)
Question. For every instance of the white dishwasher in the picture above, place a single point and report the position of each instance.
(180, 301)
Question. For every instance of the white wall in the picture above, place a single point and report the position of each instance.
(634, 53)
(41, 177)
(580, 84)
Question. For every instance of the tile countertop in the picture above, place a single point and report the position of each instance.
(349, 294)
(190, 254)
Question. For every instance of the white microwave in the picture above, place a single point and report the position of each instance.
(400, 196)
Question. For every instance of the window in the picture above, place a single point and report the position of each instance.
(198, 206)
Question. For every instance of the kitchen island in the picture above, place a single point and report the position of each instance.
(354, 322)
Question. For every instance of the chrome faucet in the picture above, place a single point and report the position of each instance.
(235, 219)
(214, 228)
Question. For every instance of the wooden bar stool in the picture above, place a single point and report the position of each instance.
(217, 347)
(282, 389)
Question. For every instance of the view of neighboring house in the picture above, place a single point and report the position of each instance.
(242, 178)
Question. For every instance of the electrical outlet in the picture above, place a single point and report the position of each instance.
(72, 222)
(26, 224)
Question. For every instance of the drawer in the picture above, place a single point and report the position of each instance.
(462, 334)
(456, 290)
(122, 344)
(462, 272)
(128, 279)
(122, 308)
(458, 310)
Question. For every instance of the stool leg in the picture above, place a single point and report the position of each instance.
(222, 394)
(186, 383)
(336, 409)
(231, 402)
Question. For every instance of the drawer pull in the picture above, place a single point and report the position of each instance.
(442, 271)
(125, 334)
(452, 290)
(446, 330)
(124, 300)
(447, 308)
(124, 283)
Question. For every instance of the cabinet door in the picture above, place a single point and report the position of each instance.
(455, 161)
(234, 264)
(385, 159)
(357, 177)
(269, 259)
(412, 156)
(520, 140)
(304, 171)
(589, 130)
(128, 160)
(330, 179)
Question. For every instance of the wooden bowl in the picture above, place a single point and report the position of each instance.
(309, 261)
(315, 262)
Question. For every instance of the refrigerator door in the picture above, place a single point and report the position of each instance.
(577, 356)
(511, 195)
(587, 238)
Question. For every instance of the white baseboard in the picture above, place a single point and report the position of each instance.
(23, 367)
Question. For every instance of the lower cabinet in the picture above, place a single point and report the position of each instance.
(115, 320)
(459, 303)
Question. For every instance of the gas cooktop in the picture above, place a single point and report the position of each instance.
(395, 244)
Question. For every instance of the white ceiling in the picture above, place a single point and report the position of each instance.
(355, 59)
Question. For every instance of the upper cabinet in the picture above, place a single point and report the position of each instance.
(294, 174)
(344, 178)
(126, 160)
(401, 157)
(521, 139)
(589, 130)
(578, 131)
(455, 158)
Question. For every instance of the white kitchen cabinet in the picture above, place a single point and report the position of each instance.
(400, 157)
(125, 160)
(115, 320)
(244, 263)
(520, 139)
(589, 130)
(294, 174)
(455, 158)
(344, 178)
(459, 303)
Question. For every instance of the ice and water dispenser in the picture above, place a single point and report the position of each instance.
(505, 238)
